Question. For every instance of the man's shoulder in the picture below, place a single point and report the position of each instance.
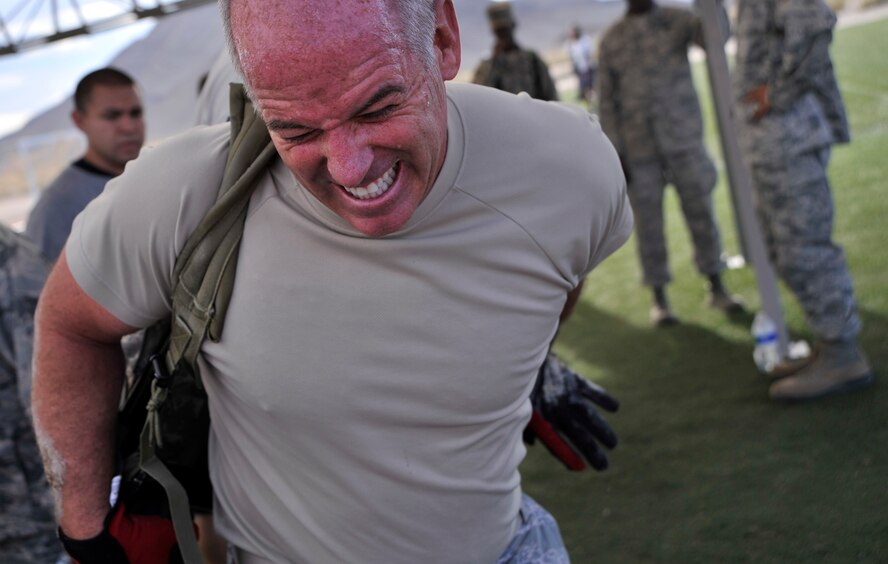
(180, 161)
(144, 218)
(203, 143)
(483, 68)
(464, 95)
(544, 167)
(673, 12)
(514, 135)
(676, 16)
(182, 170)
(486, 111)
(612, 37)
(68, 176)
(71, 179)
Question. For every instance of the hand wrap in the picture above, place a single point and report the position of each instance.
(126, 539)
(565, 418)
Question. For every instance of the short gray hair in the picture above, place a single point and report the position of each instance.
(417, 17)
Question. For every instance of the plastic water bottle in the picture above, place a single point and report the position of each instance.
(767, 351)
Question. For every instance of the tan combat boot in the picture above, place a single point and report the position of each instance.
(838, 367)
(789, 366)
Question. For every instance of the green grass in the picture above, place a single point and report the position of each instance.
(708, 469)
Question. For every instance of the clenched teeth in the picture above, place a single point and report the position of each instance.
(374, 189)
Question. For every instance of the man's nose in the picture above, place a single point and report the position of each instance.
(349, 156)
(129, 123)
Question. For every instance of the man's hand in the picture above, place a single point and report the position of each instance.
(758, 99)
(127, 539)
(565, 419)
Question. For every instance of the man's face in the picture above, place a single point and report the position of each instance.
(114, 127)
(359, 119)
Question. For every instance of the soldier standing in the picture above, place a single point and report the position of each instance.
(512, 68)
(791, 113)
(27, 524)
(108, 110)
(650, 112)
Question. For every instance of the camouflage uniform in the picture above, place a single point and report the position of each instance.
(517, 71)
(784, 44)
(650, 112)
(27, 525)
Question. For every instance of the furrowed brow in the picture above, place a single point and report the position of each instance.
(279, 125)
(383, 93)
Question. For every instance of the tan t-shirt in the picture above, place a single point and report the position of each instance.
(368, 395)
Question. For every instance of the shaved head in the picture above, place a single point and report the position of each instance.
(408, 23)
(353, 94)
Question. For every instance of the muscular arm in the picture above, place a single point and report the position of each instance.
(78, 369)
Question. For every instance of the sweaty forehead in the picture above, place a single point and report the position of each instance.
(309, 32)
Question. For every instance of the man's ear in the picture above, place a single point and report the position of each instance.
(447, 40)
(77, 118)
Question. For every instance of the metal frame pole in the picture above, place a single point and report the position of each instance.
(739, 178)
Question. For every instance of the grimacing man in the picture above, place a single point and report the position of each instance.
(398, 284)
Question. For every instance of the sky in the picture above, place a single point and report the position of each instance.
(41, 77)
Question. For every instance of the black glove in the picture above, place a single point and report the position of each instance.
(565, 419)
(127, 539)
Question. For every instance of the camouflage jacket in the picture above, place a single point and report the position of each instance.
(784, 44)
(26, 507)
(647, 101)
(517, 71)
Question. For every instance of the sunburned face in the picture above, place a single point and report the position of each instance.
(357, 117)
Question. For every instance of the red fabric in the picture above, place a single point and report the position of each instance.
(553, 441)
(146, 539)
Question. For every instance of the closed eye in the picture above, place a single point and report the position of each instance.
(302, 138)
(380, 113)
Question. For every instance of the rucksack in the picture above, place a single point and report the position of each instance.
(163, 422)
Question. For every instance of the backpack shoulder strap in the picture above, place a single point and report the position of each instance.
(203, 279)
(204, 270)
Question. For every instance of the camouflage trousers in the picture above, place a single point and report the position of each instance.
(694, 176)
(42, 549)
(795, 208)
(27, 525)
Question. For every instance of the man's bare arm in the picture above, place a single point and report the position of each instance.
(78, 374)
(572, 297)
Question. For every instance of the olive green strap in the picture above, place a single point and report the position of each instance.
(204, 271)
(180, 510)
(203, 283)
